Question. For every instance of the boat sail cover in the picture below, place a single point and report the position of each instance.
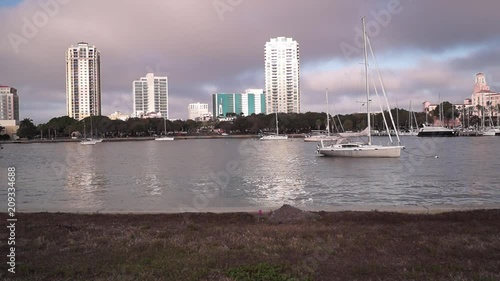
(363, 133)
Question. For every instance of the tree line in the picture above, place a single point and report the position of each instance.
(292, 123)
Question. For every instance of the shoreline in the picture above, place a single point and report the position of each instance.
(191, 137)
(403, 209)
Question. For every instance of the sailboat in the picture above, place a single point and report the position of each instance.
(85, 140)
(165, 138)
(346, 148)
(319, 136)
(491, 130)
(277, 136)
(412, 119)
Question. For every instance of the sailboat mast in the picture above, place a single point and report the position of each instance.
(366, 82)
(397, 116)
(327, 113)
(411, 121)
(165, 125)
(91, 133)
(277, 132)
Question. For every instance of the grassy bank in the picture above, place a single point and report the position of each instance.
(240, 246)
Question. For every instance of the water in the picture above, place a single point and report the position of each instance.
(202, 175)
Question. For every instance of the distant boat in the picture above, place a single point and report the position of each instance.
(85, 140)
(491, 132)
(88, 142)
(165, 138)
(277, 136)
(431, 131)
(343, 147)
(318, 136)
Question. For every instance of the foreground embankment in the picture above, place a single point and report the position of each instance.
(287, 244)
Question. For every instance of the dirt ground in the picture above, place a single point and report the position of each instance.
(288, 244)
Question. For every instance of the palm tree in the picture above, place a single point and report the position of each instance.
(26, 128)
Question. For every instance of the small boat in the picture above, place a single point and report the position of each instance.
(277, 136)
(431, 131)
(88, 142)
(318, 135)
(491, 132)
(274, 137)
(85, 140)
(165, 138)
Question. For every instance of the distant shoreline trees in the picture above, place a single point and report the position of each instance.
(293, 123)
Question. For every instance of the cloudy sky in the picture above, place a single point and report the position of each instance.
(425, 48)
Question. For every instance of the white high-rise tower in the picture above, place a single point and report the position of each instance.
(151, 96)
(83, 81)
(282, 74)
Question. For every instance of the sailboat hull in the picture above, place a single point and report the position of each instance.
(165, 139)
(367, 151)
(88, 142)
(273, 137)
(320, 138)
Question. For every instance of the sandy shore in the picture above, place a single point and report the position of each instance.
(287, 244)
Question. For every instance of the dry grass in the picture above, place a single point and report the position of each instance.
(335, 246)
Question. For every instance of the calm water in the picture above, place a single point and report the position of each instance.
(199, 175)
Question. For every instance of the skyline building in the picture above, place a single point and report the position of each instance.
(150, 94)
(282, 75)
(483, 97)
(83, 81)
(253, 101)
(9, 104)
(198, 111)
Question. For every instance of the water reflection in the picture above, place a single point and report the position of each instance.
(280, 179)
(149, 183)
(84, 184)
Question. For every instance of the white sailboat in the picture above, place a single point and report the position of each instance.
(165, 138)
(491, 130)
(343, 147)
(277, 136)
(323, 136)
(85, 140)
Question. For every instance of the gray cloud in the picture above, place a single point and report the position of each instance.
(201, 51)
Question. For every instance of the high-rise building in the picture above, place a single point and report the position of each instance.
(151, 96)
(9, 104)
(197, 111)
(282, 75)
(83, 81)
(250, 102)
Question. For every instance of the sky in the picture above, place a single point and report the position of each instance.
(425, 49)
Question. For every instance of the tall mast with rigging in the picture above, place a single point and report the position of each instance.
(366, 81)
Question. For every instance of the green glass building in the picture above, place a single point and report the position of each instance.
(250, 102)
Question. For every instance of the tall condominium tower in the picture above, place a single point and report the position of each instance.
(83, 81)
(9, 104)
(151, 96)
(282, 75)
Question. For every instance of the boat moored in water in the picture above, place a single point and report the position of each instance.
(431, 131)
